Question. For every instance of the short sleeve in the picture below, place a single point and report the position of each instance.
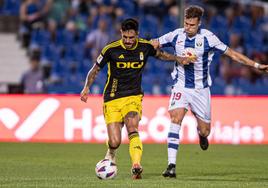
(152, 51)
(216, 44)
(167, 40)
(103, 58)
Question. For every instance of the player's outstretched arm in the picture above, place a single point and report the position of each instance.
(155, 43)
(240, 58)
(160, 54)
(91, 76)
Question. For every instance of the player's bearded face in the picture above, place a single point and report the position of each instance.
(191, 26)
(129, 38)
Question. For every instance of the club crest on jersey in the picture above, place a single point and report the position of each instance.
(141, 56)
(199, 44)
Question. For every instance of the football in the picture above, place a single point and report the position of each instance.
(189, 52)
(106, 169)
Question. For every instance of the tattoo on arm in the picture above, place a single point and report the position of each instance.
(165, 56)
(91, 75)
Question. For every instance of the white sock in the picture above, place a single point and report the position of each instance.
(173, 142)
(110, 154)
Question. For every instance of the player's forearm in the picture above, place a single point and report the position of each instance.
(240, 58)
(246, 61)
(91, 76)
(166, 56)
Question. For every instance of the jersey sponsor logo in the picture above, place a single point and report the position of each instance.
(99, 59)
(121, 56)
(129, 65)
(114, 87)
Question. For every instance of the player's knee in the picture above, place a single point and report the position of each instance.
(132, 116)
(131, 119)
(205, 131)
(114, 143)
(175, 117)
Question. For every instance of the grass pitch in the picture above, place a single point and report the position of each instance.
(72, 165)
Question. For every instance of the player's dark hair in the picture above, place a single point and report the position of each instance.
(194, 11)
(129, 24)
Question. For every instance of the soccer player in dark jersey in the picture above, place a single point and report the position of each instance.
(126, 59)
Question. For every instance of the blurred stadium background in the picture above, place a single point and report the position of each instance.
(67, 36)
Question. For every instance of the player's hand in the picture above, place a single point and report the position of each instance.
(84, 94)
(187, 60)
(263, 68)
(155, 43)
(192, 59)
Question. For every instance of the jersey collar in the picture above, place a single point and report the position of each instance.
(198, 32)
(133, 48)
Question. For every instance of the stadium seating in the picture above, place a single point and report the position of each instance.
(70, 60)
(11, 7)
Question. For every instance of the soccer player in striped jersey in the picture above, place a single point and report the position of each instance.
(126, 59)
(192, 82)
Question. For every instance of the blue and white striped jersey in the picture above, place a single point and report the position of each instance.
(204, 44)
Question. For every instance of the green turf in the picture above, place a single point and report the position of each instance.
(72, 165)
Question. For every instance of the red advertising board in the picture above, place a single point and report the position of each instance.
(64, 118)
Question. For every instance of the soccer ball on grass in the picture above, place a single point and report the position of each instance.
(106, 169)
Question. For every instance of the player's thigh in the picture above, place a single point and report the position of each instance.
(201, 105)
(112, 112)
(132, 112)
(130, 105)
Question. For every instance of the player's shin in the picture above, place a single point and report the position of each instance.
(173, 142)
(135, 147)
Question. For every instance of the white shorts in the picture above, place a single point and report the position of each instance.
(197, 99)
